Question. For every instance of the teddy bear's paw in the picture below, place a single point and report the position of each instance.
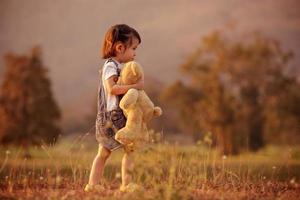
(130, 147)
(157, 111)
(131, 187)
(94, 188)
(123, 139)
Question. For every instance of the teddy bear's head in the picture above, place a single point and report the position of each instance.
(131, 73)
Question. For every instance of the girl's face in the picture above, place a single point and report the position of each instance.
(128, 54)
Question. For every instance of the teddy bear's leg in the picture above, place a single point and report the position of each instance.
(157, 111)
(132, 128)
(122, 136)
(129, 98)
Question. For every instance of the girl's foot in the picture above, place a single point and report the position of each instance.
(131, 187)
(94, 188)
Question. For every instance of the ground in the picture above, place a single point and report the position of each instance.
(166, 171)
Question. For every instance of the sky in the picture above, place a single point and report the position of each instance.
(70, 33)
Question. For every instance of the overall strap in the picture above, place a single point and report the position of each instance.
(116, 64)
(101, 100)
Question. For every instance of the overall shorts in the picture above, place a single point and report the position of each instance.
(108, 122)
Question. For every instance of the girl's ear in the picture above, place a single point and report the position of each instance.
(120, 48)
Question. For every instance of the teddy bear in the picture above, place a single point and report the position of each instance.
(137, 107)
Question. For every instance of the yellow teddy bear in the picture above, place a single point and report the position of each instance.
(137, 107)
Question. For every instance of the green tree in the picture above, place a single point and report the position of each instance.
(29, 113)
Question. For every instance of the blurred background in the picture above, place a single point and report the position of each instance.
(224, 72)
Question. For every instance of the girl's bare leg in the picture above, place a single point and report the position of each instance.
(127, 168)
(98, 165)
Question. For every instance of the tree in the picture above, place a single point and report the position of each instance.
(29, 113)
(237, 80)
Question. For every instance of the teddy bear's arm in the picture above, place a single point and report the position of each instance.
(157, 111)
(129, 98)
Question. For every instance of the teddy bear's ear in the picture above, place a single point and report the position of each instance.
(134, 69)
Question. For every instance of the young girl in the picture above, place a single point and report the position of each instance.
(119, 46)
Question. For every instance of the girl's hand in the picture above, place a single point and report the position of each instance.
(116, 89)
(118, 82)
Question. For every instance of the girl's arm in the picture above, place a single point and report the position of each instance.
(115, 89)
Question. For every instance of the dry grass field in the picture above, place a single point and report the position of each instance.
(166, 171)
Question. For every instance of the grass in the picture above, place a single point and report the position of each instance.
(166, 171)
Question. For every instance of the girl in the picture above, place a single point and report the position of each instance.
(119, 46)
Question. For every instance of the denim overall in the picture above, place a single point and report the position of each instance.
(108, 122)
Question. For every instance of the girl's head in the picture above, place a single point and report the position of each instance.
(120, 42)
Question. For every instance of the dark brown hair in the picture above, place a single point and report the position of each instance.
(118, 33)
